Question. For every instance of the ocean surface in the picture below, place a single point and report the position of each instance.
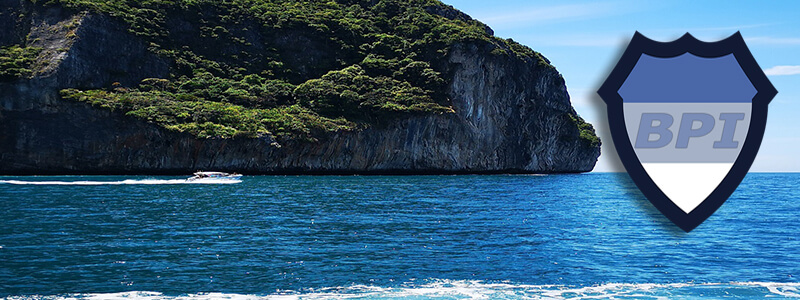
(389, 237)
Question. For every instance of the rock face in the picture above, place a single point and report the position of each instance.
(511, 116)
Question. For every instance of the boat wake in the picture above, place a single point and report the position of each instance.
(124, 182)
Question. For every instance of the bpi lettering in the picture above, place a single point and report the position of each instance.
(659, 124)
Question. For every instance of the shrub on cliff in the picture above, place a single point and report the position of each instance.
(16, 61)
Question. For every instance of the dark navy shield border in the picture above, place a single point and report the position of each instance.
(687, 43)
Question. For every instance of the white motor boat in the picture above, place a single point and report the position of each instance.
(214, 176)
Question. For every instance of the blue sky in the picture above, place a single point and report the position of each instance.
(584, 40)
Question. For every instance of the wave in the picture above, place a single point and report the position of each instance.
(124, 182)
(461, 289)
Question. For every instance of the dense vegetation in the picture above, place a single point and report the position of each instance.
(586, 130)
(289, 69)
(16, 61)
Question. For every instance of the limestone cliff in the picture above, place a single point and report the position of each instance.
(511, 115)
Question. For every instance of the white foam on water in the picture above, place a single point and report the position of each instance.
(777, 288)
(465, 289)
(124, 182)
(156, 295)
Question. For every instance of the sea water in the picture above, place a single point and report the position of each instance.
(397, 237)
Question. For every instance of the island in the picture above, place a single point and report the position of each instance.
(276, 87)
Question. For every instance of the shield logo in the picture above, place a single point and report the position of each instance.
(687, 118)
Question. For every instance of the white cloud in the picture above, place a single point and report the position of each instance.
(582, 40)
(767, 40)
(553, 14)
(782, 70)
(730, 29)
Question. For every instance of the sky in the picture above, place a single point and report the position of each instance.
(585, 39)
